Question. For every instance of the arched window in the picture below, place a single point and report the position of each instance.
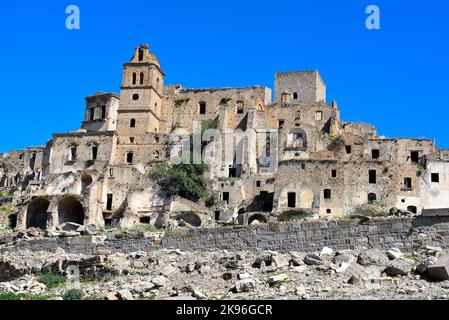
(156, 155)
(372, 198)
(240, 106)
(295, 95)
(134, 78)
(141, 78)
(140, 58)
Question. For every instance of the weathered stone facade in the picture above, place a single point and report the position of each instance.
(280, 161)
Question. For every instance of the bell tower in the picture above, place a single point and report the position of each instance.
(141, 93)
(139, 113)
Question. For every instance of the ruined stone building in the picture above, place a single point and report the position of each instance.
(293, 158)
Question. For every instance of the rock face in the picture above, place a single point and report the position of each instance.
(372, 257)
(440, 269)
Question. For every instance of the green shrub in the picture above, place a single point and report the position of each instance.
(51, 280)
(181, 179)
(14, 296)
(73, 294)
(211, 201)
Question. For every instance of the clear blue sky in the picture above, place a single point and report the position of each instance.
(396, 78)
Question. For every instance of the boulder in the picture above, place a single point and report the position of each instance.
(112, 296)
(327, 251)
(125, 295)
(274, 280)
(264, 258)
(169, 270)
(394, 253)
(245, 285)
(71, 226)
(344, 257)
(159, 281)
(372, 257)
(313, 259)
(279, 260)
(227, 276)
(424, 264)
(399, 267)
(243, 276)
(440, 269)
(91, 229)
(198, 294)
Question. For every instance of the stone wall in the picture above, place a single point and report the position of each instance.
(403, 233)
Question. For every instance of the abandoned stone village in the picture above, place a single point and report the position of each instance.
(298, 180)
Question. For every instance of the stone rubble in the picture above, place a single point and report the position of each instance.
(170, 274)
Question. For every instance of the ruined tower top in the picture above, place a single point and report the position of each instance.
(142, 54)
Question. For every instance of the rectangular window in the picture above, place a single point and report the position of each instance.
(407, 183)
(375, 153)
(103, 112)
(226, 197)
(318, 116)
(132, 123)
(327, 194)
(202, 107)
(414, 156)
(348, 149)
(109, 202)
(435, 177)
(372, 176)
(94, 153)
(303, 166)
(291, 199)
(334, 173)
(73, 154)
(129, 157)
(258, 184)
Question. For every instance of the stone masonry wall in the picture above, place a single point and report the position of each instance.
(403, 233)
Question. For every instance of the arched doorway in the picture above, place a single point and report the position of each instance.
(257, 218)
(70, 210)
(36, 216)
(190, 218)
